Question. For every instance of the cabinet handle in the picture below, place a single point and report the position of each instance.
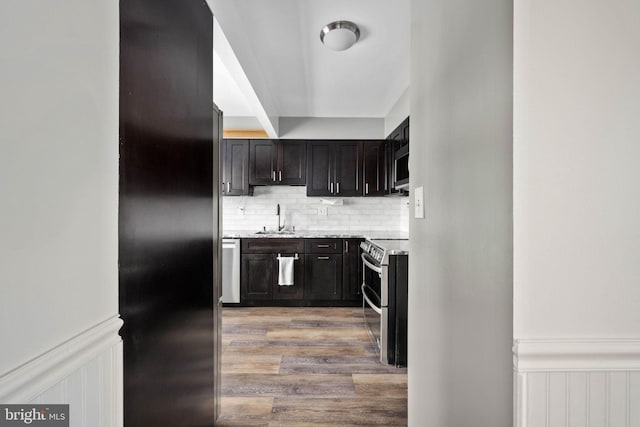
(331, 188)
(274, 175)
(280, 175)
(346, 246)
(324, 258)
(337, 188)
(223, 187)
(228, 187)
(323, 246)
(366, 188)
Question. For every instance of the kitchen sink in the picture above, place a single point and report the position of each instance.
(279, 233)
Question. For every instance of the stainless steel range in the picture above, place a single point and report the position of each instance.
(385, 265)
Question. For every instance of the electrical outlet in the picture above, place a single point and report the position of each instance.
(323, 211)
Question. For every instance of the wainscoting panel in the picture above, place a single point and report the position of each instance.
(84, 372)
(577, 384)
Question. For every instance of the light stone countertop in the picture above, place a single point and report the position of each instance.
(319, 234)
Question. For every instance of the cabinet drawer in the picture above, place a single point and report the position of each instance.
(266, 246)
(323, 246)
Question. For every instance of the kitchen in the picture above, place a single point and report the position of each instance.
(284, 246)
(320, 200)
(293, 288)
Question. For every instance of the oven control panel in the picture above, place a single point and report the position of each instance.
(380, 250)
(373, 250)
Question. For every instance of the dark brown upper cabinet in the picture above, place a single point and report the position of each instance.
(262, 162)
(235, 167)
(292, 162)
(277, 162)
(319, 168)
(348, 178)
(374, 170)
(397, 142)
(334, 168)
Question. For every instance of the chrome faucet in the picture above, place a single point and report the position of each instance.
(280, 227)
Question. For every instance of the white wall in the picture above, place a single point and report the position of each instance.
(398, 112)
(236, 122)
(576, 174)
(358, 214)
(331, 128)
(577, 212)
(460, 278)
(58, 172)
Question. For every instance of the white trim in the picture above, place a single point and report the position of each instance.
(118, 368)
(35, 377)
(569, 355)
(520, 401)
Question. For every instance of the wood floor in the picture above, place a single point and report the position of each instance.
(306, 367)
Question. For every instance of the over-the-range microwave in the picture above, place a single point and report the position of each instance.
(401, 169)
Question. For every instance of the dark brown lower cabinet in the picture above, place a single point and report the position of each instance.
(259, 279)
(327, 272)
(295, 291)
(260, 266)
(351, 270)
(323, 277)
(257, 276)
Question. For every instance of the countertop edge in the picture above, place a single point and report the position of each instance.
(317, 235)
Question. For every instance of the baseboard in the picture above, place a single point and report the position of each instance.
(594, 382)
(85, 372)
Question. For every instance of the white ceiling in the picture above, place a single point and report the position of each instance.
(291, 73)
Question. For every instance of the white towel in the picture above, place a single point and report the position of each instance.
(285, 273)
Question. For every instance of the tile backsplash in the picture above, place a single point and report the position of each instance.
(296, 209)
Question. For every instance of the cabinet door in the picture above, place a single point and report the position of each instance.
(257, 274)
(262, 162)
(374, 170)
(323, 277)
(319, 169)
(398, 139)
(292, 161)
(348, 168)
(351, 270)
(390, 166)
(295, 291)
(235, 167)
(405, 133)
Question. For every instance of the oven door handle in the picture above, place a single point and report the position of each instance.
(370, 265)
(371, 304)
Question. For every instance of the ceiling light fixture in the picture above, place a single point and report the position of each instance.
(339, 35)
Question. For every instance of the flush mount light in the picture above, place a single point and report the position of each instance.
(339, 35)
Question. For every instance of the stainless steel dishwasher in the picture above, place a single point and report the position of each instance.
(230, 270)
